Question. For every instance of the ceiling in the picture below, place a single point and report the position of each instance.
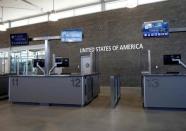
(15, 9)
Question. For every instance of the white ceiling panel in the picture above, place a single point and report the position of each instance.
(14, 9)
(11, 10)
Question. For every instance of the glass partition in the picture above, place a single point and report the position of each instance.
(4, 65)
(18, 62)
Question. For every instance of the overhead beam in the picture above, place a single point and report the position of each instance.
(176, 30)
(19, 8)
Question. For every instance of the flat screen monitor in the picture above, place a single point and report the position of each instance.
(62, 62)
(167, 59)
(41, 62)
(158, 28)
(72, 35)
(19, 39)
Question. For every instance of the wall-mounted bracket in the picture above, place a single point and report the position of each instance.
(177, 30)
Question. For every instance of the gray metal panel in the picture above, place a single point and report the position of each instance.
(92, 87)
(3, 85)
(96, 85)
(175, 30)
(88, 88)
(115, 90)
(165, 91)
(67, 89)
(55, 90)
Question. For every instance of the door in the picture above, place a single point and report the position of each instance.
(86, 64)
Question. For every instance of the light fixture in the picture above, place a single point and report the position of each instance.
(132, 3)
(53, 16)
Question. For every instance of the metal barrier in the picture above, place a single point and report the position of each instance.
(115, 90)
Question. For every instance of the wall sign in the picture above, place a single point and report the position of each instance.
(19, 39)
(158, 28)
(109, 48)
(72, 35)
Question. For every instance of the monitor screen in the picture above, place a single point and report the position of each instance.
(62, 62)
(167, 59)
(72, 35)
(41, 62)
(155, 29)
(19, 39)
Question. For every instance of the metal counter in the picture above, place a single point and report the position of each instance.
(3, 86)
(164, 90)
(63, 89)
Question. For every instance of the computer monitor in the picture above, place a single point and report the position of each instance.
(41, 62)
(19, 39)
(62, 62)
(159, 28)
(72, 35)
(167, 59)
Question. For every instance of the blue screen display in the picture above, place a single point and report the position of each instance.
(19, 39)
(72, 35)
(156, 29)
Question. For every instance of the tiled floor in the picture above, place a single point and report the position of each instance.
(97, 116)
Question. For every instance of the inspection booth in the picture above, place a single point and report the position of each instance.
(68, 89)
(48, 84)
(56, 89)
(165, 90)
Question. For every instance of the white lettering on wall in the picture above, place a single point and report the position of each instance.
(112, 48)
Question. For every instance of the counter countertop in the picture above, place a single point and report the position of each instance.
(164, 74)
(65, 75)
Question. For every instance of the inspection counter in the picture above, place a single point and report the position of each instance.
(74, 89)
(164, 90)
(4, 86)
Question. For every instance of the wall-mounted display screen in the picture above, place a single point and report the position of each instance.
(19, 39)
(41, 62)
(62, 62)
(155, 29)
(167, 59)
(72, 35)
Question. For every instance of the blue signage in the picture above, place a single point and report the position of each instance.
(156, 29)
(72, 35)
(19, 39)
